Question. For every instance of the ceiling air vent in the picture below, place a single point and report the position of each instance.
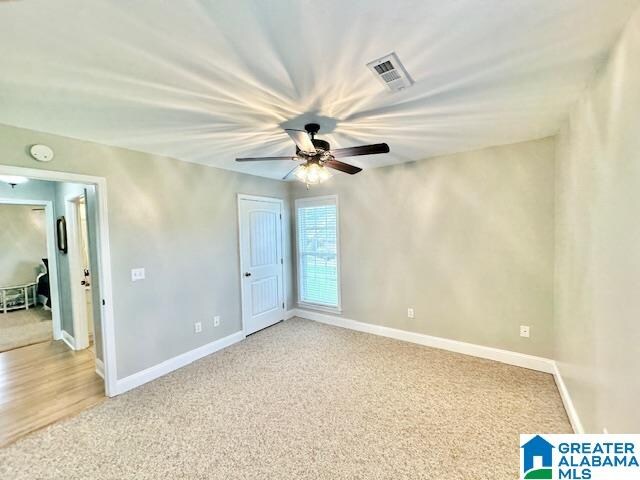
(391, 72)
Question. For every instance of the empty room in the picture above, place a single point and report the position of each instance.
(319, 240)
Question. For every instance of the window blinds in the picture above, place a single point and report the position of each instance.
(317, 223)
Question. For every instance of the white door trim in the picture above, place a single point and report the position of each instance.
(51, 254)
(243, 293)
(104, 259)
(74, 254)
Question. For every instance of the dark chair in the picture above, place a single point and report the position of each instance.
(43, 283)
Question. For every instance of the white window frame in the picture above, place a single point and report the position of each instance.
(310, 201)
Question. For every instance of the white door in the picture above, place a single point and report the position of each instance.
(76, 271)
(261, 262)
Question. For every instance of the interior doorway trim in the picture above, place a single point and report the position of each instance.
(51, 253)
(104, 259)
(243, 293)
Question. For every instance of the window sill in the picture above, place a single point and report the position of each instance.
(320, 308)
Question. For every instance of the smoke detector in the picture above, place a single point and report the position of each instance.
(42, 153)
(391, 72)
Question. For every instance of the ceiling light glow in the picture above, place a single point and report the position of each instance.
(312, 173)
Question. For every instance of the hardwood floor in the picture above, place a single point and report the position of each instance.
(43, 383)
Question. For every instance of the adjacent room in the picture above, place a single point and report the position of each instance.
(50, 330)
(286, 239)
(25, 302)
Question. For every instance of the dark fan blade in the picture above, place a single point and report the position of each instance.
(363, 150)
(302, 140)
(343, 167)
(261, 159)
(290, 172)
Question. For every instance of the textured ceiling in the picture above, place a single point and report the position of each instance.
(206, 81)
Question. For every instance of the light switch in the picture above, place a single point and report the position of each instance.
(137, 274)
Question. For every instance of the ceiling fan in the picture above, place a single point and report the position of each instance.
(317, 155)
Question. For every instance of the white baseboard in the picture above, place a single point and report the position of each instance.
(151, 373)
(69, 340)
(532, 362)
(505, 356)
(100, 367)
(572, 413)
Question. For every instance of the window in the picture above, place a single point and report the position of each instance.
(318, 256)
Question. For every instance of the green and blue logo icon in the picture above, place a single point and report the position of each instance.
(580, 457)
(537, 458)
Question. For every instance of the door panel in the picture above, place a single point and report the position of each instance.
(264, 295)
(96, 295)
(263, 238)
(261, 263)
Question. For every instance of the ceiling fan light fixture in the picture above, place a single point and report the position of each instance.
(13, 180)
(312, 173)
(319, 160)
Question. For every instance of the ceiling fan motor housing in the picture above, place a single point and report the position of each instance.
(321, 144)
(313, 129)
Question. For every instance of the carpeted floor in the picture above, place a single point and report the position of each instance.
(19, 328)
(302, 400)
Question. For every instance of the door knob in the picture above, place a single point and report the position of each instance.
(247, 274)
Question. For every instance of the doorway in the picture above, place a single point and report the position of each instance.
(80, 271)
(44, 381)
(29, 279)
(100, 279)
(261, 262)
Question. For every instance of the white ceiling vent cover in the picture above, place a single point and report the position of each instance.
(391, 72)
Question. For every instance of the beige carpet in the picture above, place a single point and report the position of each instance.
(19, 328)
(303, 400)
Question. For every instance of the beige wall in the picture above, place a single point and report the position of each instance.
(466, 240)
(23, 243)
(598, 245)
(176, 219)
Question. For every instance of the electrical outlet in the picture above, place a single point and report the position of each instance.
(524, 331)
(411, 313)
(137, 274)
(605, 431)
(197, 327)
(216, 321)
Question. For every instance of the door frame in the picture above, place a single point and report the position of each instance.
(243, 293)
(52, 257)
(78, 298)
(104, 259)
